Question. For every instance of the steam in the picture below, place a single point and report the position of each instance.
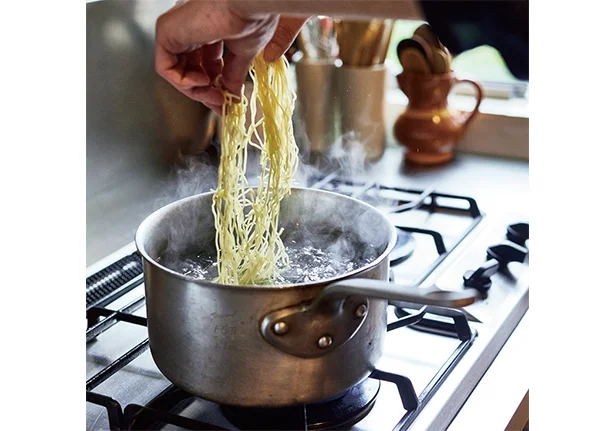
(346, 157)
(193, 175)
(339, 230)
(346, 234)
(324, 236)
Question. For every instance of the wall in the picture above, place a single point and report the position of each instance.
(136, 122)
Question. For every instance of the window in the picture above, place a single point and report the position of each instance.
(483, 64)
(502, 128)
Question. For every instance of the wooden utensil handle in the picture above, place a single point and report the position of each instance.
(479, 98)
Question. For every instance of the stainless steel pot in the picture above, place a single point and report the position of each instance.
(273, 346)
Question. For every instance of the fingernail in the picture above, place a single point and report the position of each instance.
(273, 51)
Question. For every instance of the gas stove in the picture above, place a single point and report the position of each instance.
(434, 357)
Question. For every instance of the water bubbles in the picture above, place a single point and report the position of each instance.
(200, 266)
(308, 264)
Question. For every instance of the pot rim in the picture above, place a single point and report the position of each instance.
(140, 239)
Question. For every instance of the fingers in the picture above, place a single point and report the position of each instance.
(216, 108)
(194, 72)
(235, 70)
(244, 49)
(285, 33)
(212, 59)
(175, 69)
(181, 31)
(208, 96)
(190, 24)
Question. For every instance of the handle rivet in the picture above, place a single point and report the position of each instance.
(325, 341)
(361, 310)
(280, 328)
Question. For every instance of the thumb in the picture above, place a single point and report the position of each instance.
(285, 33)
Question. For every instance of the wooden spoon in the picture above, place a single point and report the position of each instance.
(350, 36)
(419, 45)
(369, 42)
(385, 42)
(413, 61)
(440, 62)
(428, 35)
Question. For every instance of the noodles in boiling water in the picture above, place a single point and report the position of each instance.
(248, 238)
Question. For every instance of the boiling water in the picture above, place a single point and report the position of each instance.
(307, 264)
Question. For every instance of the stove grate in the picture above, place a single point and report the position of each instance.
(99, 285)
(107, 285)
(425, 200)
(160, 410)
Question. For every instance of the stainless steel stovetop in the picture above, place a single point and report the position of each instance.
(428, 369)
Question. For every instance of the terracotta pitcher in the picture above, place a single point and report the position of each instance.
(429, 128)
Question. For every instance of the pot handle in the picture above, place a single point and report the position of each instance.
(314, 329)
(398, 292)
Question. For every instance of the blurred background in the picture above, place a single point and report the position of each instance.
(484, 64)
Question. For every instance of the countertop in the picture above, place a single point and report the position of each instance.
(498, 184)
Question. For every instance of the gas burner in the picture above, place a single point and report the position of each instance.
(404, 247)
(337, 413)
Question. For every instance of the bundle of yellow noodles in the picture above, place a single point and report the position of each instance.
(250, 250)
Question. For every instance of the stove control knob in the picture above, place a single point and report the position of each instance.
(507, 252)
(518, 233)
(481, 278)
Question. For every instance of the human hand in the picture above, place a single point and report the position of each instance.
(191, 36)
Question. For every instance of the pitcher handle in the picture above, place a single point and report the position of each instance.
(479, 98)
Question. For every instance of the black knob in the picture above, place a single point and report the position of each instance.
(518, 233)
(507, 252)
(481, 278)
